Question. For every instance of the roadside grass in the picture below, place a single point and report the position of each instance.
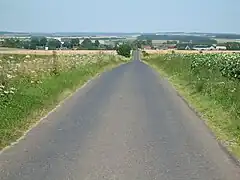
(214, 96)
(30, 86)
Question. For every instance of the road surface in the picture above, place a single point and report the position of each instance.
(127, 124)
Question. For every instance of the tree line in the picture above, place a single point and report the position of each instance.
(53, 44)
(179, 38)
(34, 43)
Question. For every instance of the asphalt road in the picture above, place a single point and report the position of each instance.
(127, 124)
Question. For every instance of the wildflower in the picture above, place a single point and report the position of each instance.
(9, 76)
(233, 90)
(6, 92)
(2, 86)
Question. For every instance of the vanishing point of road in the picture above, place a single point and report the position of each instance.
(127, 124)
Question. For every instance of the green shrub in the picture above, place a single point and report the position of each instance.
(124, 50)
(145, 54)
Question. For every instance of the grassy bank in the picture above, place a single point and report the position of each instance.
(31, 85)
(211, 84)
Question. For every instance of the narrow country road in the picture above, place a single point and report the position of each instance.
(127, 124)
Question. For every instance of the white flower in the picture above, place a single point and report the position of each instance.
(233, 90)
(9, 76)
(6, 92)
(27, 56)
(2, 86)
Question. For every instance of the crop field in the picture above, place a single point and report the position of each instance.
(31, 85)
(227, 40)
(187, 51)
(49, 52)
(211, 84)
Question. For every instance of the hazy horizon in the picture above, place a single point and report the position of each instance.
(58, 16)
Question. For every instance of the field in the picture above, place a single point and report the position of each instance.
(186, 51)
(227, 40)
(211, 84)
(31, 85)
(49, 52)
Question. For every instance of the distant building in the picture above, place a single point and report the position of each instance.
(221, 48)
(188, 47)
(172, 47)
(147, 47)
(203, 47)
(184, 46)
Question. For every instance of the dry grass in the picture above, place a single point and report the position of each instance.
(219, 40)
(65, 52)
(184, 51)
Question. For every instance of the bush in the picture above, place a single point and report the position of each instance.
(145, 54)
(124, 50)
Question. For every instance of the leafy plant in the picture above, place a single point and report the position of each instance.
(124, 50)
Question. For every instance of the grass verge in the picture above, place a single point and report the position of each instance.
(34, 96)
(213, 97)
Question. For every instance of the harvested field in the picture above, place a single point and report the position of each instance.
(49, 52)
(185, 51)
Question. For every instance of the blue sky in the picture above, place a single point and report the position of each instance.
(120, 16)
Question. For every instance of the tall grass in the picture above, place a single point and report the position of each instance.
(30, 84)
(211, 82)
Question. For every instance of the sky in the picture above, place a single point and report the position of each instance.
(120, 16)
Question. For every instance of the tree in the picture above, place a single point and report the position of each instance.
(116, 44)
(74, 42)
(35, 40)
(34, 43)
(97, 43)
(9, 42)
(87, 44)
(149, 42)
(232, 45)
(43, 41)
(54, 44)
(124, 50)
(26, 44)
(137, 44)
(67, 44)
